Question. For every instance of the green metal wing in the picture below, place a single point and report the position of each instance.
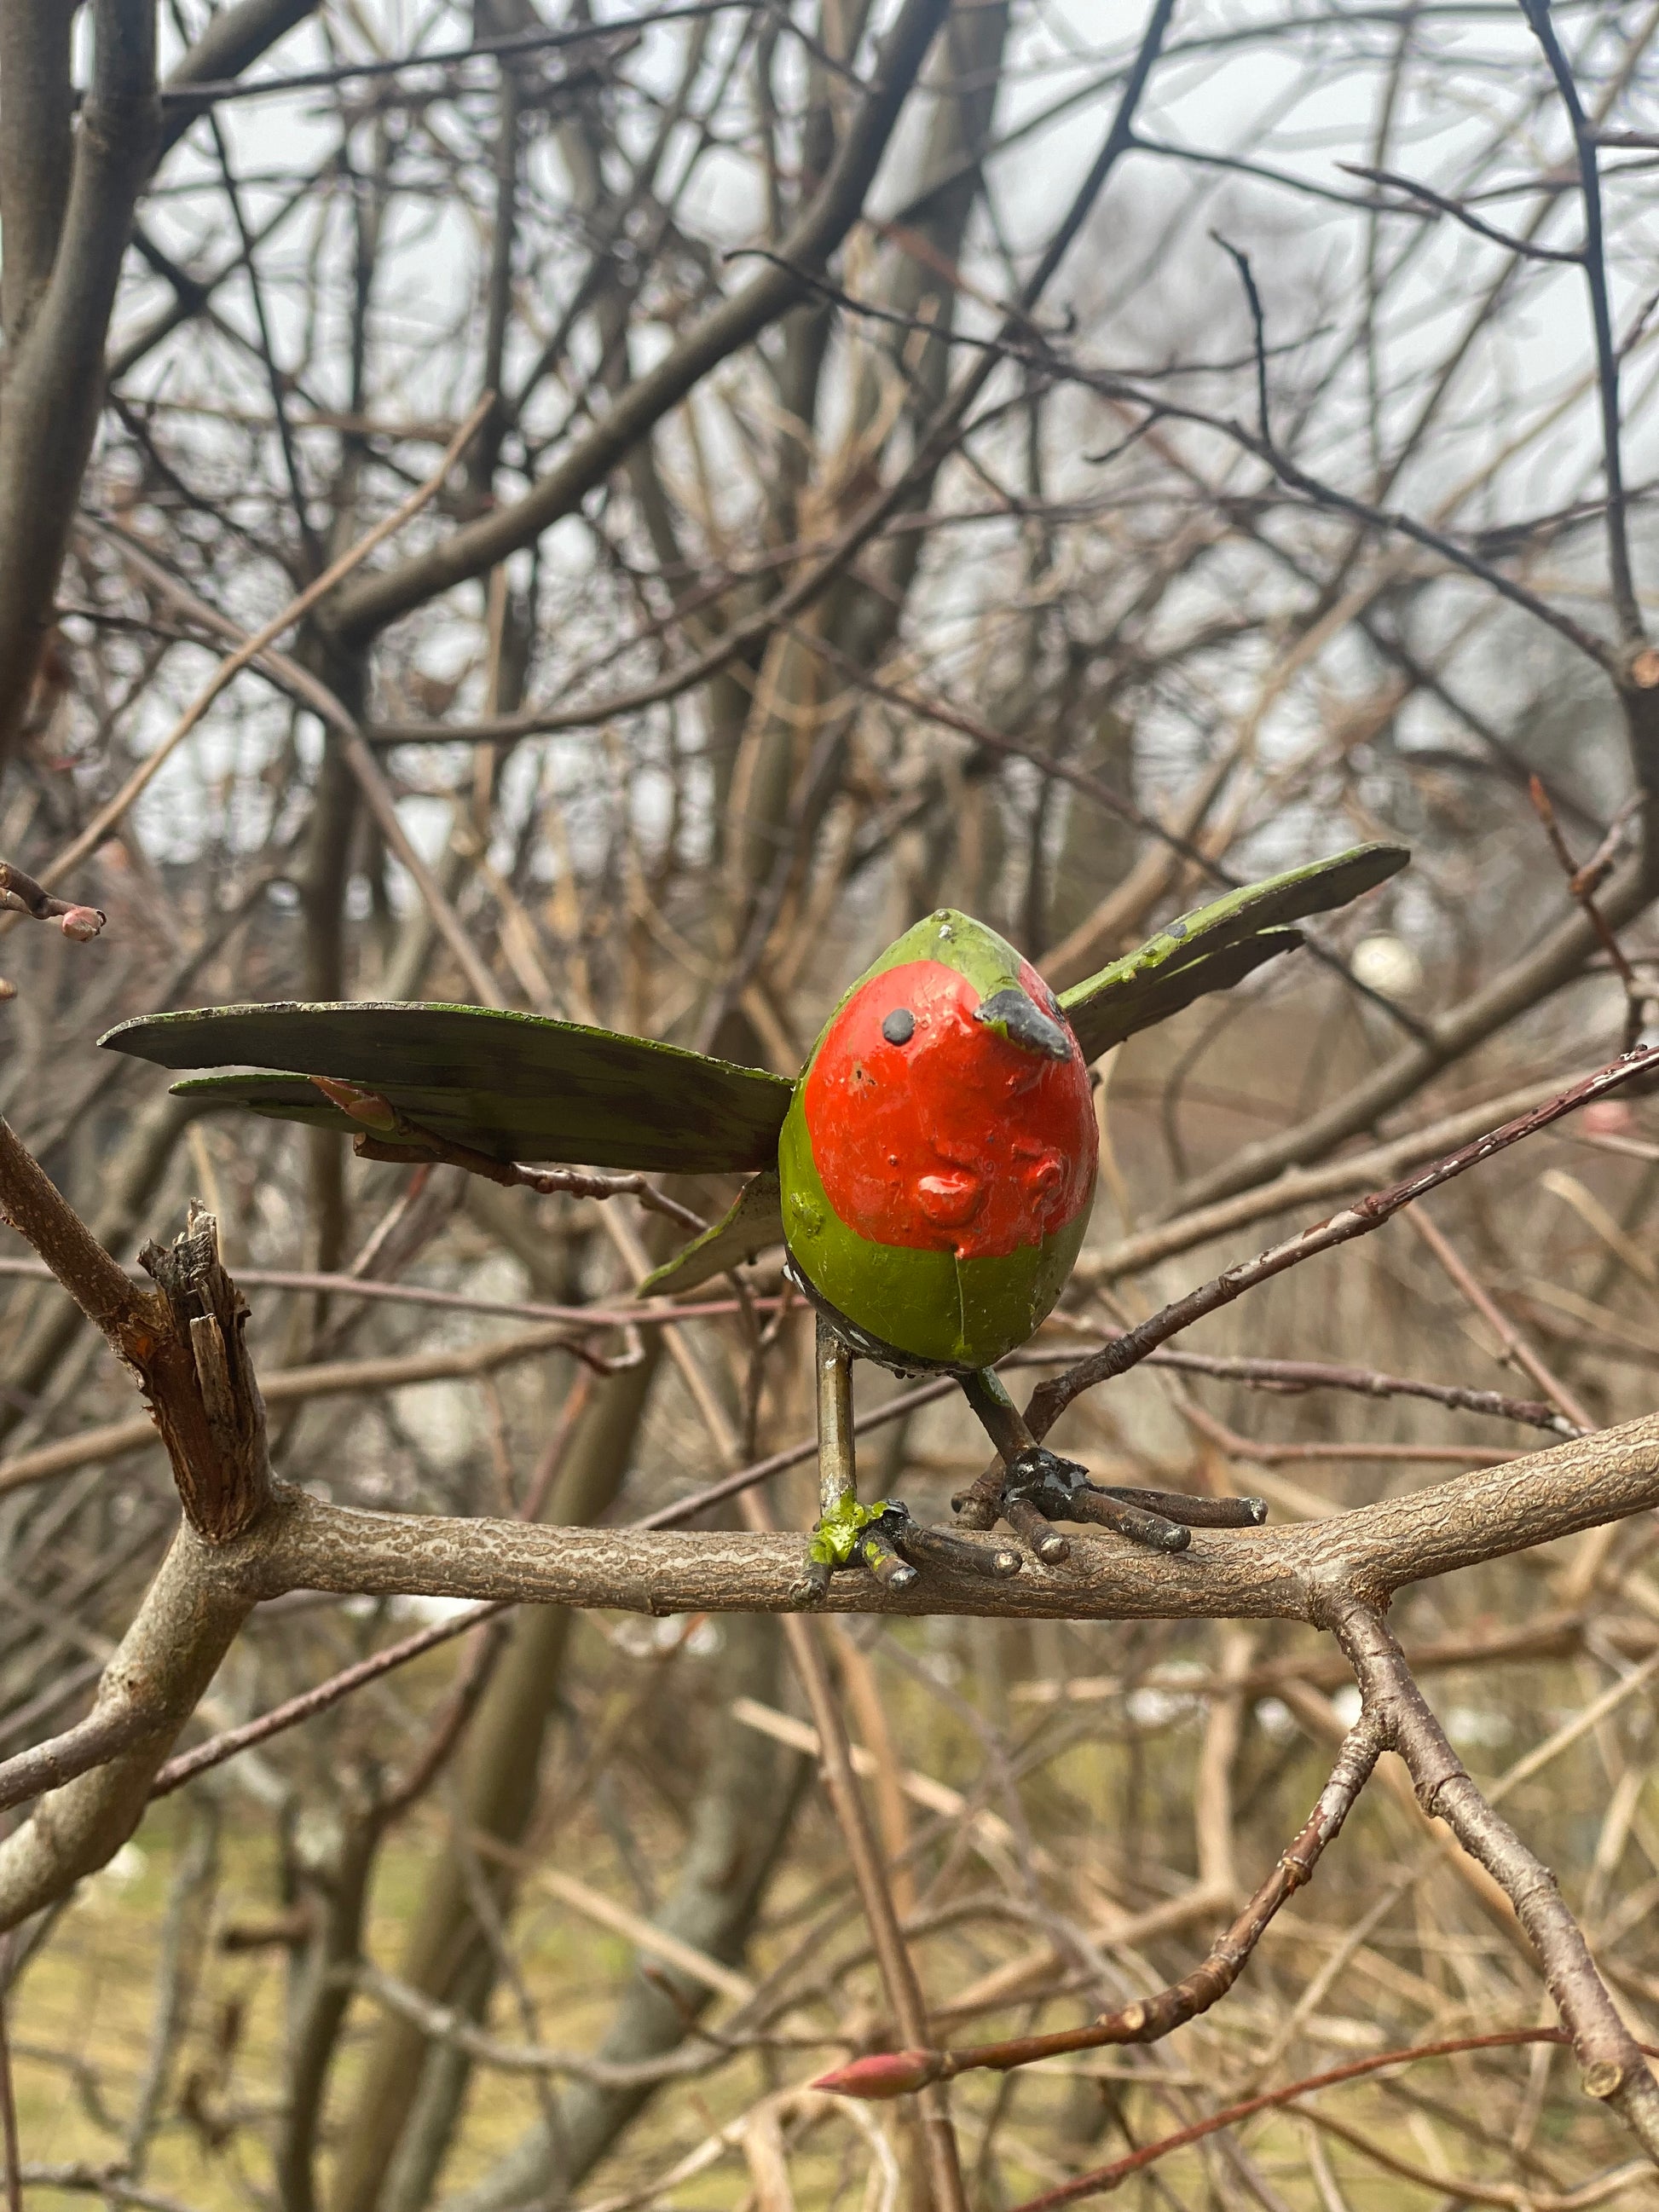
(1213, 947)
(513, 1086)
(754, 1223)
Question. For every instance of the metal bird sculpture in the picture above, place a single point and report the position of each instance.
(930, 1172)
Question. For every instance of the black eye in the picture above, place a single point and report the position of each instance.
(900, 1026)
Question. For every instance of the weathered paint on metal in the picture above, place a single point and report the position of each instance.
(936, 1188)
(941, 1310)
(513, 1086)
(958, 1140)
(1215, 946)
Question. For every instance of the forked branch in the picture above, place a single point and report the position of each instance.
(1614, 2067)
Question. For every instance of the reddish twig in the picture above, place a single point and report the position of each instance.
(1581, 884)
(388, 1134)
(22, 895)
(642, 1316)
(1261, 1454)
(91, 1742)
(309, 1703)
(1051, 1399)
(895, 2074)
(1104, 2178)
(1294, 1375)
(1600, 866)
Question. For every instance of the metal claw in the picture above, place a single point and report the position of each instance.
(881, 1554)
(1195, 1512)
(1154, 1530)
(1038, 1488)
(979, 1507)
(1038, 1535)
(938, 1547)
(811, 1586)
(1043, 1478)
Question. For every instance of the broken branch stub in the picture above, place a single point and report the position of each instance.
(200, 1382)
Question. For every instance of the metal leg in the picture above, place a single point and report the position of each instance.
(1028, 1471)
(882, 1537)
(838, 1483)
(838, 1476)
(999, 1416)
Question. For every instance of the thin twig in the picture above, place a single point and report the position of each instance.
(1614, 2071)
(1293, 1376)
(894, 2074)
(1514, 1349)
(1392, 520)
(1104, 2177)
(1051, 1398)
(9, 2136)
(898, 1974)
(388, 1134)
(107, 816)
(218, 90)
(1425, 193)
(218, 1748)
(654, 1314)
(1581, 884)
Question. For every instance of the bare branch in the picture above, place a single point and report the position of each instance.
(1626, 610)
(1614, 2070)
(480, 546)
(54, 378)
(1527, 248)
(1104, 2177)
(1289, 1574)
(1359, 1219)
(180, 1634)
(1149, 2020)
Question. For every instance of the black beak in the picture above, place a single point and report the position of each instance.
(1013, 1014)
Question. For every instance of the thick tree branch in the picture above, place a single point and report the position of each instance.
(234, 39)
(37, 152)
(182, 1631)
(54, 381)
(1315, 1572)
(1289, 1574)
(184, 1345)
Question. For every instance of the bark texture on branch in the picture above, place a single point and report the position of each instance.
(215, 1432)
(185, 1625)
(184, 1342)
(1307, 1572)
(1614, 2067)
